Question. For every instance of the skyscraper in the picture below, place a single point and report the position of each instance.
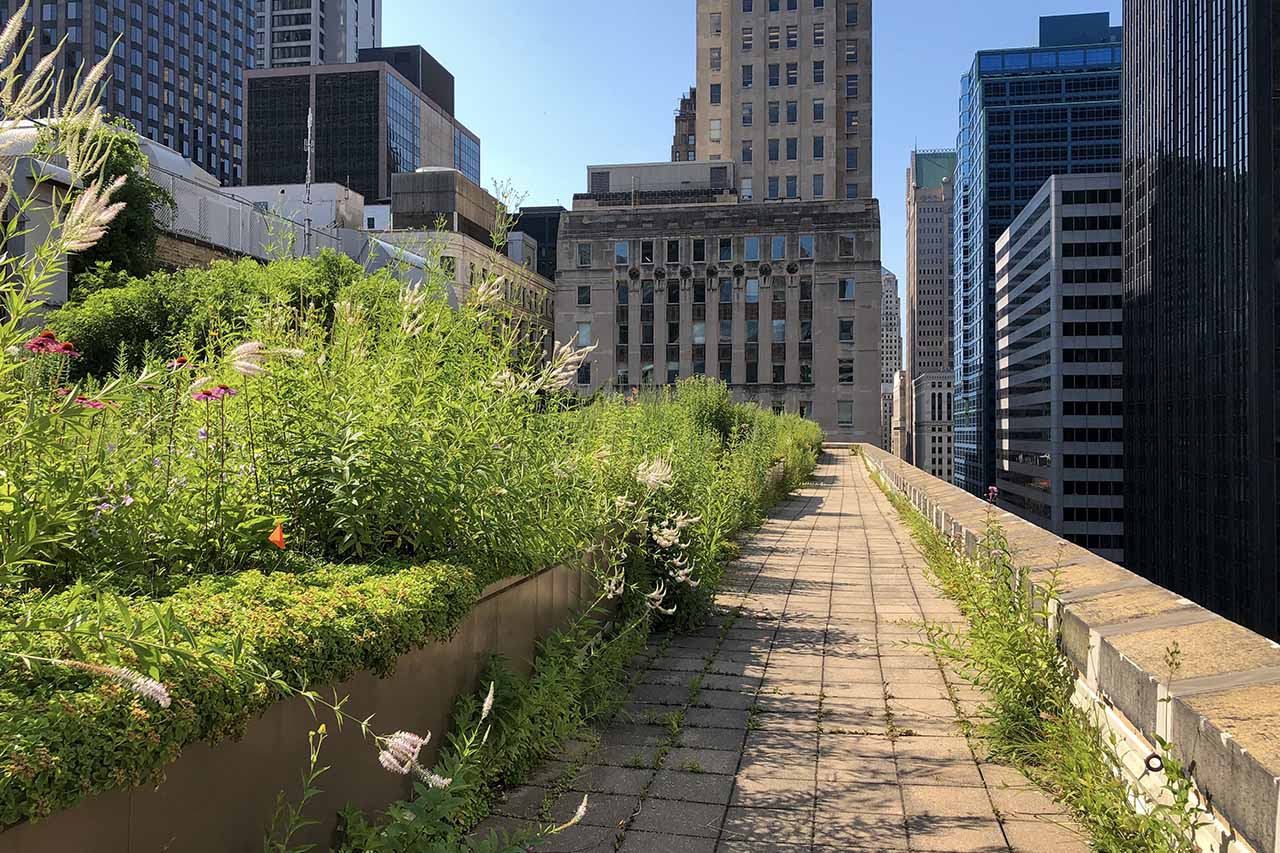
(928, 309)
(1059, 343)
(315, 32)
(178, 73)
(1200, 313)
(784, 89)
(372, 120)
(684, 144)
(1025, 114)
(890, 351)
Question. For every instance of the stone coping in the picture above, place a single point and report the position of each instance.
(1220, 709)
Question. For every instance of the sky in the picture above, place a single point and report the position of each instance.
(553, 86)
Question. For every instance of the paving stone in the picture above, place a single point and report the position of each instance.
(654, 842)
(673, 817)
(772, 792)
(611, 810)
(778, 826)
(580, 839)
(605, 779)
(692, 787)
(524, 803)
(724, 699)
(1045, 836)
(716, 718)
(723, 762)
(836, 832)
(730, 739)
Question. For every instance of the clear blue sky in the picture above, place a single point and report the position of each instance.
(551, 86)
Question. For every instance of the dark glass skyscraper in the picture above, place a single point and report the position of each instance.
(1200, 317)
(178, 72)
(1025, 114)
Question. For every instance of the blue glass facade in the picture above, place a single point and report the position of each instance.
(1025, 114)
(466, 154)
(404, 128)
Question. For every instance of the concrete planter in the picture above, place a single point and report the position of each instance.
(219, 798)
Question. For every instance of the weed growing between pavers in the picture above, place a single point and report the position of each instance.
(1031, 723)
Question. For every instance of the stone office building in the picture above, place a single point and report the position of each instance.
(781, 302)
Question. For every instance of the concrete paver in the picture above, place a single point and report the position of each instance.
(806, 716)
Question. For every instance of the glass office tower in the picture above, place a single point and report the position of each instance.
(1025, 114)
(1200, 314)
(178, 72)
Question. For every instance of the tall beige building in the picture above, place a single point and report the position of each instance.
(890, 352)
(784, 90)
(929, 335)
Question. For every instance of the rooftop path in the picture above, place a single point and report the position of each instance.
(801, 718)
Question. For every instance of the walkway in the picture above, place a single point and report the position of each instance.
(801, 720)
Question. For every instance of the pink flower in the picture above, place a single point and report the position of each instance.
(204, 395)
(44, 342)
(221, 391)
(179, 363)
(90, 404)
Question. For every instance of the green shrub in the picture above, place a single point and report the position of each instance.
(65, 734)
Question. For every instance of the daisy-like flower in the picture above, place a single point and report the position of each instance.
(221, 391)
(135, 682)
(68, 349)
(179, 363)
(204, 395)
(654, 475)
(44, 342)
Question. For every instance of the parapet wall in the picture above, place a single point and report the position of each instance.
(1220, 708)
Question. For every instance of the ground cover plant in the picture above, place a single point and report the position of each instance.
(1030, 720)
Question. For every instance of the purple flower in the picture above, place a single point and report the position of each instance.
(204, 395)
(127, 500)
(203, 434)
(223, 391)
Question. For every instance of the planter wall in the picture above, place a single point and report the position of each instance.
(219, 798)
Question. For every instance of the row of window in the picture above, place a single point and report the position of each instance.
(846, 291)
(847, 246)
(850, 14)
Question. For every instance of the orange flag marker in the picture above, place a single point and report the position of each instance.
(277, 536)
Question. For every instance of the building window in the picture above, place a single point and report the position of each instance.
(748, 114)
(844, 413)
(851, 86)
(850, 190)
(699, 251)
(748, 189)
(715, 59)
(779, 331)
(846, 330)
(748, 76)
(646, 251)
(751, 248)
(793, 73)
(806, 373)
(699, 333)
(819, 186)
(848, 245)
(773, 186)
(778, 248)
(624, 293)
(748, 40)
(819, 147)
(806, 247)
(806, 409)
(752, 294)
(793, 186)
(819, 72)
(584, 373)
(775, 38)
(851, 51)
(773, 150)
(846, 371)
(775, 74)
(584, 294)
(746, 5)
(851, 121)
(851, 15)
(793, 112)
(846, 289)
(726, 248)
(793, 37)
(621, 250)
(747, 148)
(715, 24)
(715, 94)
(851, 159)
(726, 297)
(774, 112)
(714, 133)
(819, 110)
(673, 251)
(584, 334)
(777, 406)
(793, 147)
(819, 35)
